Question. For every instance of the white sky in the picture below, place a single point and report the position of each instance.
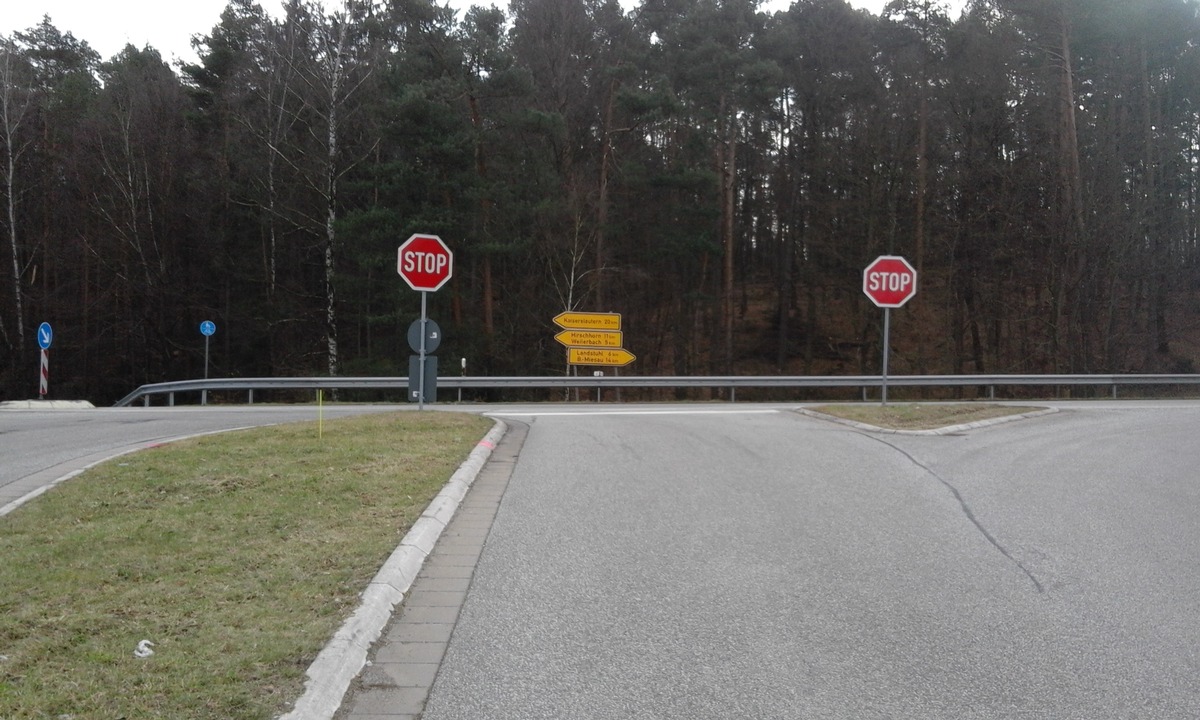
(168, 26)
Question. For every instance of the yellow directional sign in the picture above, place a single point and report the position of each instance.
(590, 338)
(588, 321)
(599, 356)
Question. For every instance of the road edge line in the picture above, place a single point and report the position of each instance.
(146, 445)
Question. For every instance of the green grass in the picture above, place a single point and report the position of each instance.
(238, 555)
(915, 416)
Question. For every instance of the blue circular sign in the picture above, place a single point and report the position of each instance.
(208, 327)
(45, 336)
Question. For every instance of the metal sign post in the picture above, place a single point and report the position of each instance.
(890, 282)
(207, 328)
(45, 336)
(464, 374)
(426, 264)
(424, 338)
(887, 328)
(421, 362)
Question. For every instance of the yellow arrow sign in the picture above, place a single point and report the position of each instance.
(588, 321)
(599, 356)
(590, 338)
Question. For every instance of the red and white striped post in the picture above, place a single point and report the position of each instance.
(45, 335)
(44, 386)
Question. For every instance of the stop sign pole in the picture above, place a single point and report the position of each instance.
(890, 282)
(426, 264)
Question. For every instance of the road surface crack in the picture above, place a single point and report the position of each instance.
(966, 509)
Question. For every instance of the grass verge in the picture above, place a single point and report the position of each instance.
(914, 416)
(237, 555)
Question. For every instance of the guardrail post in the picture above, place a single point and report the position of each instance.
(251, 400)
(145, 401)
(732, 394)
(171, 399)
(991, 392)
(1114, 388)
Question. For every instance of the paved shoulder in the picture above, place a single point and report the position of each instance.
(402, 665)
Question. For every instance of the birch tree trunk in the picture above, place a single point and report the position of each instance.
(329, 83)
(14, 102)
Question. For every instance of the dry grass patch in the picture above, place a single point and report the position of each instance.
(930, 416)
(237, 555)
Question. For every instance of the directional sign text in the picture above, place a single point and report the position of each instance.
(590, 338)
(599, 356)
(588, 321)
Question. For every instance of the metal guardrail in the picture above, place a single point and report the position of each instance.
(732, 382)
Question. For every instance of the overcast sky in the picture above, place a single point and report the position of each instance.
(168, 26)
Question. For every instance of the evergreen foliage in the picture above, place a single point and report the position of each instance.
(717, 174)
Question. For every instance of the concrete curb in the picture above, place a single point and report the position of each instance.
(948, 430)
(46, 405)
(337, 665)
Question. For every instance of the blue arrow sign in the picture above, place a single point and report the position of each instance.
(45, 336)
(208, 327)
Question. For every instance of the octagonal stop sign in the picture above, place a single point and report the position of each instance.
(890, 281)
(424, 262)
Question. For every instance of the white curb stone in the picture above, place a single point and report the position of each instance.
(336, 666)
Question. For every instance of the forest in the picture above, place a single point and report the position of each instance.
(717, 174)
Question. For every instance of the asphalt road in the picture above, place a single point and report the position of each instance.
(769, 565)
(762, 564)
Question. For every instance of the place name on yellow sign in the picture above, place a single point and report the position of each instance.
(588, 321)
(591, 338)
(599, 356)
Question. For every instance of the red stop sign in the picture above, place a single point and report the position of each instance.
(424, 262)
(890, 281)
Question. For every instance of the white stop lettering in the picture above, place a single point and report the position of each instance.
(888, 281)
(423, 262)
